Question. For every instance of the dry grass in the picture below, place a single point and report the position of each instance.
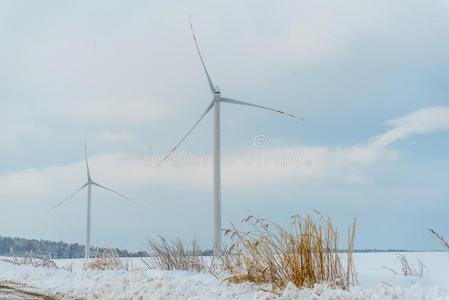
(174, 255)
(407, 269)
(107, 260)
(29, 259)
(440, 237)
(305, 254)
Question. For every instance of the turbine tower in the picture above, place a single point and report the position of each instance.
(216, 100)
(88, 184)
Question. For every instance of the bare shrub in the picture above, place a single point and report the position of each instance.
(108, 259)
(440, 237)
(407, 269)
(174, 255)
(304, 254)
(29, 259)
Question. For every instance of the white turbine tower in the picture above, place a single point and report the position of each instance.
(88, 184)
(216, 100)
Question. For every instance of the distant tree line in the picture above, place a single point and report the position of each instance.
(52, 249)
(61, 249)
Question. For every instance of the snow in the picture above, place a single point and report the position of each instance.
(375, 281)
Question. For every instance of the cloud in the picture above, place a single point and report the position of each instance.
(117, 136)
(423, 121)
(19, 123)
(130, 63)
(137, 64)
(354, 178)
(240, 170)
(420, 122)
(245, 169)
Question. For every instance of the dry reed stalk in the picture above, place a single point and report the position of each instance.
(440, 237)
(271, 254)
(174, 255)
(350, 271)
(407, 269)
(107, 260)
(29, 259)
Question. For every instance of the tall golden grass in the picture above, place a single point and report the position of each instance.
(107, 260)
(304, 254)
(174, 255)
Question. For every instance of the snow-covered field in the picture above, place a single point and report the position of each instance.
(375, 281)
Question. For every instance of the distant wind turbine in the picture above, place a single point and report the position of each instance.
(216, 100)
(88, 184)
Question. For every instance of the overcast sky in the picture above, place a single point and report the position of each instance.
(369, 77)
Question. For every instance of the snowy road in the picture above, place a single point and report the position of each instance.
(12, 291)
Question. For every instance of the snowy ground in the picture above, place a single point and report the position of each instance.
(375, 282)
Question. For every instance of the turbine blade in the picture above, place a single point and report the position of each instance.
(71, 195)
(233, 101)
(211, 85)
(103, 187)
(85, 156)
(188, 133)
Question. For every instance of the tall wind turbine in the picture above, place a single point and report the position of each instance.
(88, 184)
(216, 100)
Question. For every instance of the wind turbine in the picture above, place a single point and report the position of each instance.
(88, 184)
(216, 100)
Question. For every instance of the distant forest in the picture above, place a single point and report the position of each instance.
(57, 250)
(52, 249)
